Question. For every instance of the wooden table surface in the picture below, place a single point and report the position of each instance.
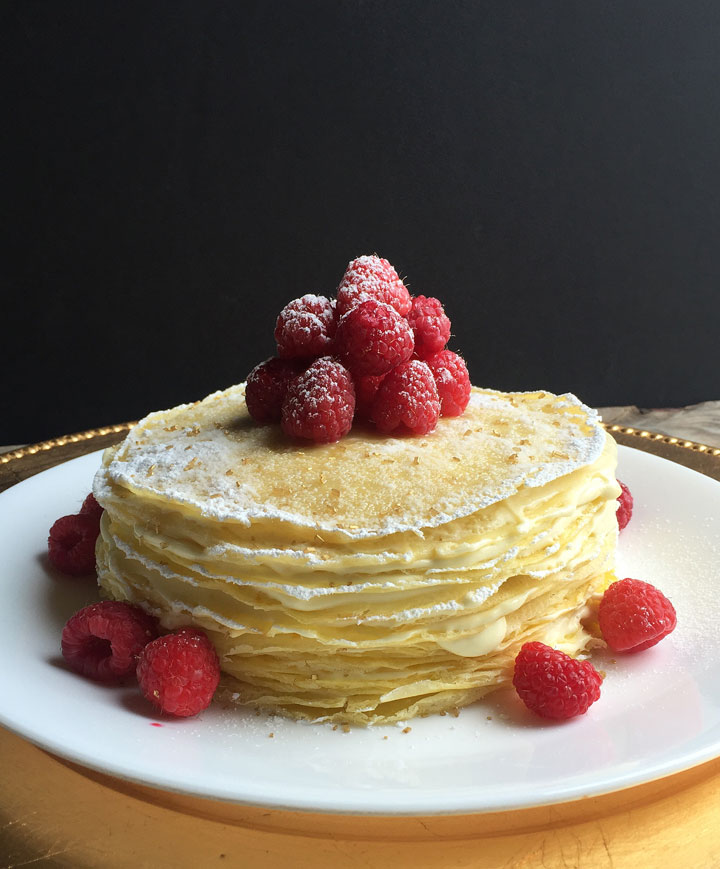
(53, 813)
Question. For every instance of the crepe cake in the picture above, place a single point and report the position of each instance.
(370, 580)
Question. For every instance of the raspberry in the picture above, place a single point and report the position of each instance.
(625, 506)
(266, 387)
(305, 327)
(179, 672)
(91, 507)
(372, 338)
(366, 387)
(407, 397)
(453, 381)
(554, 685)
(371, 277)
(320, 403)
(103, 640)
(430, 326)
(634, 615)
(71, 544)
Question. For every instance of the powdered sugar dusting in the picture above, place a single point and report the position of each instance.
(372, 277)
(676, 554)
(305, 327)
(211, 458)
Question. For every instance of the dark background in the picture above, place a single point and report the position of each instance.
(174, 173)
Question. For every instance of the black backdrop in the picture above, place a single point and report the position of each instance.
(176, 172)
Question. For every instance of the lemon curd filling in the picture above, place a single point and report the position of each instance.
(374, 579)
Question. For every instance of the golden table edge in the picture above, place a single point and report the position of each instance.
(60, 814)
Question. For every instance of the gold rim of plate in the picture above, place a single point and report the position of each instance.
(64, 440)
(662, 438)
(92, 433)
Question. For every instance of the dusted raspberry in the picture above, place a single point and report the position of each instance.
(91, 507)
(179, 672)
(372, 338)
(103, 640)
(266, 386)
(634, 615)
(371, 277)
(453, 381)
(625, 506)
(430, 325)
(305, 327)
(366, 387)
(554, 685)
(320, 403)
(407, 398)
(71, 544)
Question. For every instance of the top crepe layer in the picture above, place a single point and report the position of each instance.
(211, 459)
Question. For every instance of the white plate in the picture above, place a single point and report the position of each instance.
(659, 711)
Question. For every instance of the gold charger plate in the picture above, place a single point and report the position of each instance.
(54, 813)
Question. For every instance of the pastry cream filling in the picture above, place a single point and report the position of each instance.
(481, 642)
(313, 621)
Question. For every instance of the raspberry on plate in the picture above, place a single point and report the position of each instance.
(320, 403)
(408, 398)
(179, 672)
(430, 325)
(634, 615)
(91, 507)
(625, 506)
(305, 327)
(554, 685)
(266, 387)
(372, 277)
(71, 543)
(372, 338)
(453, 381)
(103, 640)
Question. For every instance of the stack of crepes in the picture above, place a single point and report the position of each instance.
(370, 580)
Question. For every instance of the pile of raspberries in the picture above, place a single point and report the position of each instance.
(113, 641)
(374, 353)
